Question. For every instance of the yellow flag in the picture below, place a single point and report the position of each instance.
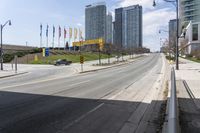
(75, 33)
(70, 33)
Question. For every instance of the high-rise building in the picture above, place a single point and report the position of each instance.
(109, 29)
(172, 33)
(189, 24)
(189, 11)
(95, 21)
(128, 27)
(118, 27)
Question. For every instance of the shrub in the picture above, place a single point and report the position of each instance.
(170, 58)
(8, 58)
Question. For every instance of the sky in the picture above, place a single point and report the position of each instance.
(27, 15)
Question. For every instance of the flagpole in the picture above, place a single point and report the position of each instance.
(53, 43)
(40, 35)
(47, 41)
(59, 39)
(70, 36)
(64, 37)
(69, 44)
(47, 30)
(41, 41)
(53, 37)
(64, 42)
(58, 43)
(74, 37)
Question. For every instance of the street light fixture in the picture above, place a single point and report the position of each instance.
(175, 2)
(1, 51)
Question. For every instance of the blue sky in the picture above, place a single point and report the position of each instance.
(26, 16)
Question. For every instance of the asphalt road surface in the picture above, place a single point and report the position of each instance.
(84, 103)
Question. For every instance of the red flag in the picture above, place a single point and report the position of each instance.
(59, 32)
(65, 33)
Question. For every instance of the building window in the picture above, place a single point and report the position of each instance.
(195, 32)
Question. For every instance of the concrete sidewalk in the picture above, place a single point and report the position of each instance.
(190, 72)
(10, 71)
(188, 94)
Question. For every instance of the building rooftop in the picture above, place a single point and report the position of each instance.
(96, 4)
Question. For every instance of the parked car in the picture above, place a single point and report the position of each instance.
(62, 62)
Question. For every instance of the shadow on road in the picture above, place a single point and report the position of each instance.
(189, 115)
(34, 113)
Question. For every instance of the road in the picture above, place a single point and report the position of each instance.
(97, 102)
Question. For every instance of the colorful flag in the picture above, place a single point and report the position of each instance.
(80, 34)
(70, 33)
(47, 30)
(59, 32)
(65, 33)
(54, 30)
(75, 33)
(40, 30)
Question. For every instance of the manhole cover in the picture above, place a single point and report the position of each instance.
(196, 123)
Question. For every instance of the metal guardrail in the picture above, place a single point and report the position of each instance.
(173, 114)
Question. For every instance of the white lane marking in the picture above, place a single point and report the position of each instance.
(81, 117)
(80, 83)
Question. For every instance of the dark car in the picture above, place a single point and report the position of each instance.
(62, 62)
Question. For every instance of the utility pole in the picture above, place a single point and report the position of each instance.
(1, 52)
(177, 34)
(1, 49)
(27, 51)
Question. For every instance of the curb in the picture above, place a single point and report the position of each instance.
(12, 75)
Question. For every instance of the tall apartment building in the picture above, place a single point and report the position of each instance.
(109, 28)
(128, 27)
(190, 24)
(172, 33)
(95, 21)
(189, 11)
(118, 27)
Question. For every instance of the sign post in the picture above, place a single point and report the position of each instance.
(15, 63)
(81, 62)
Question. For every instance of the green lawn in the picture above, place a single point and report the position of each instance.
(70, 57)
(193, 59)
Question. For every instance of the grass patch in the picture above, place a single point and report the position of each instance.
(193, 59)
(70, 57)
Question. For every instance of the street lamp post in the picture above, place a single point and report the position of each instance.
(1, 51)
(177, 35)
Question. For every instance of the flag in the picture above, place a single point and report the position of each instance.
(70, 33)
(59, 32)
(54, 31)
(75, 33)
(47, 30)
(40, 30)
(65, 33)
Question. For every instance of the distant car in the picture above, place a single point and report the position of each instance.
(62, 62)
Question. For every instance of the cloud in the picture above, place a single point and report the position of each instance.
(152, 22)
(146, 4)
(156, 19)
(79, 24)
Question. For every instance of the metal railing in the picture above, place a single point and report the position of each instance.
(173, 126)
